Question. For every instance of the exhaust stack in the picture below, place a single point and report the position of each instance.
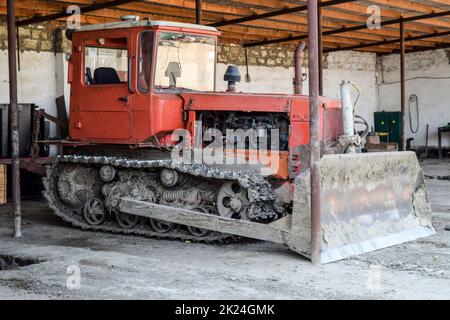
(298, 80)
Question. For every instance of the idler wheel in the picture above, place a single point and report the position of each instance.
(169, 177)
(232, 201)
(198, 232)
(94, 211)
(125, 220)
(161, 226)
(107, 173)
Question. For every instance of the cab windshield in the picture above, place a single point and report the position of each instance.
(185, 62)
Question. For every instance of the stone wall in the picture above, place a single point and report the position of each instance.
(270, 56)
(38, 38)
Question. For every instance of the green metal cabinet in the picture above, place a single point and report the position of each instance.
(389, 126)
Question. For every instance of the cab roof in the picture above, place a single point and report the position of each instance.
(144, 23)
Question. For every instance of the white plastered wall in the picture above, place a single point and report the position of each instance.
(428, 75)
(41, 79)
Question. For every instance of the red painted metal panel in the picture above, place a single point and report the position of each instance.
(330, 119)
(225, 101)
(167, 113)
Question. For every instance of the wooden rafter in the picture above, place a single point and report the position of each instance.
(293, 23)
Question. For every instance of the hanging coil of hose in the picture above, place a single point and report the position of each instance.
(414, 100)
(358, 119)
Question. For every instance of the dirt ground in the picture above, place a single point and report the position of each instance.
(115, 267)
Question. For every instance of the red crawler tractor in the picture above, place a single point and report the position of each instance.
(138, 86)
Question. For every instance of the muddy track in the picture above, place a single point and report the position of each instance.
(259, 191)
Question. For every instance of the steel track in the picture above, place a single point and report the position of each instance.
(259, 191)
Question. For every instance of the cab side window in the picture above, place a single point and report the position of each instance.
(106, 61)
(145, 60)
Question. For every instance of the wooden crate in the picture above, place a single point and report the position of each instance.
(3, 183)
(382, 147)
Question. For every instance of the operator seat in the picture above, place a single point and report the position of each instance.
(106, 75)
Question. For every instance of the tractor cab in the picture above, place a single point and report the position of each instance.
(120, 74)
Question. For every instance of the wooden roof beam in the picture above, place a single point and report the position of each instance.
(274, 13)
(354, 28)
(93, 7)
(282, 29)
(382, 43)
(331, 18)
(355, 11)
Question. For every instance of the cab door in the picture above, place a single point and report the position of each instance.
(102, 102)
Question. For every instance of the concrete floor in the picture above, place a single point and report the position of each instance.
(114, 266)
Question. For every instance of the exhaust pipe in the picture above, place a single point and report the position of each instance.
(298, 80)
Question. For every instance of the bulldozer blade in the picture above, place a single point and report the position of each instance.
(368, 202)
